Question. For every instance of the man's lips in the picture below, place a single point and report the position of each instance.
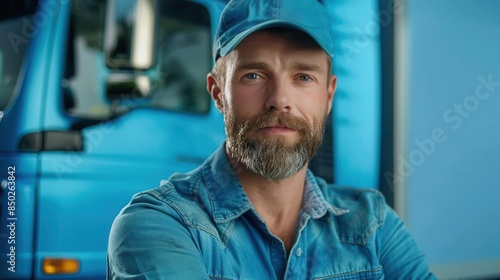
(277, 129)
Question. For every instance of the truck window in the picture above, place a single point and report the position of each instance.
(15, 16)
(177, 77)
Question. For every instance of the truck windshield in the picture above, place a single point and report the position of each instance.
(176, 80)
(15, 16)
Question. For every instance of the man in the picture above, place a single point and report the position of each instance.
(253, 210)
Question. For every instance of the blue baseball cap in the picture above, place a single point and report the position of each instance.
(241, 18)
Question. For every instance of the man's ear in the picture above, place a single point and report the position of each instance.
(332, 87)
(214, 89)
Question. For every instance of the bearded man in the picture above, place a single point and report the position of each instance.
(253, 210)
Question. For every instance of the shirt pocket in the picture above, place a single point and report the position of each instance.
(372, 274)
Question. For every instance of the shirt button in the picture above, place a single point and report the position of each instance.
(298, 252)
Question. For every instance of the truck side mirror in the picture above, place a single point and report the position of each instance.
(129, 34)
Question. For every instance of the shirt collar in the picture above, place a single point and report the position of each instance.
(229, 200)
(314, 202)
(227, 196)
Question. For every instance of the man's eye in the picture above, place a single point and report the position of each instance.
(252, 76)
(305, 78)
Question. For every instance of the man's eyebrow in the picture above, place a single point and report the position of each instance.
(256, 65)
(251, 65)
(307, 67)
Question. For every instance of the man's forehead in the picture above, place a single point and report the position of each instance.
(260, 47)
(241, 61)
(272, 41)
(292, 36)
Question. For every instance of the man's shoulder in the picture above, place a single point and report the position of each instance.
(365, 210)
(179, 195)
(348, 196)
(181, 190)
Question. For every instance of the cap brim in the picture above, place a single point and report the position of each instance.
(274, 23)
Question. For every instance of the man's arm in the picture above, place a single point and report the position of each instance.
(149, 241)
(399, 254)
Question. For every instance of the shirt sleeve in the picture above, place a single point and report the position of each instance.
(148, 240)
(399, 254)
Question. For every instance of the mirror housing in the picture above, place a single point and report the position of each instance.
(129, 34)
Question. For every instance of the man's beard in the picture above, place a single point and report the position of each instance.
(274, 157)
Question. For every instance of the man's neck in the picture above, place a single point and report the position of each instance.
(278, 202)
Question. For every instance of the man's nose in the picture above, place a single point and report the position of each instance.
(278, 96)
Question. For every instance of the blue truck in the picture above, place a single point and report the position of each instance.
(98, 100)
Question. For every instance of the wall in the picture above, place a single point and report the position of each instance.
(448, 165)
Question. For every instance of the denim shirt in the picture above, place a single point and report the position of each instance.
(201, 225)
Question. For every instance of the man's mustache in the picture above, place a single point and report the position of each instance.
(271, 119)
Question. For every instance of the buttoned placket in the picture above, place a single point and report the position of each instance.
(297, 258)
(278, 256)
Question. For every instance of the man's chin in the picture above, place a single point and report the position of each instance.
(276, 140)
